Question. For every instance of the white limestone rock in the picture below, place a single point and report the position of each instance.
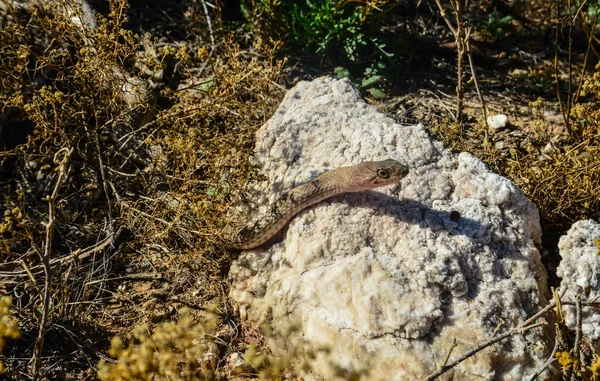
(387, 279)
(579, 269)
(497, 121)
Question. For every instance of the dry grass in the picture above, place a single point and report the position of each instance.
(160, 135)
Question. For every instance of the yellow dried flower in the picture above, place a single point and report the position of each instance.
(8, 325)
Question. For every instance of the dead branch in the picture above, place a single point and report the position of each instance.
(75, 255)
(63, 167)
(563, 111)
(460, 69)
(476, 83)
(132, 277)
(103, 177)
(550, 360)
(461, 40)
(577, 344)
(521, 328)
(526, 325)
(449, 352)
(445, 17)
(211, 33)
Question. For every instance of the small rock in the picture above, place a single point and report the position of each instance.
(549, 148)
(161, 314)
(580, 273)
(497, 121)
(210, 357)
(237, 365)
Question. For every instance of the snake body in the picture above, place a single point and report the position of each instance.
(364, 176)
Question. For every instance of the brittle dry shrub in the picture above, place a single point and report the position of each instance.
(169, 181)
(267, 367)
(8, 325)
(72, 84)
(184, 350)
(584, 113)
(565, 185)
(174, 351)
(201, 159)
(61, 78)
(570, 363)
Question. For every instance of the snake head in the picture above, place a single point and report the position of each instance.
(375, 174)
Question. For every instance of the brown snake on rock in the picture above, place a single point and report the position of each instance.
(364, 176)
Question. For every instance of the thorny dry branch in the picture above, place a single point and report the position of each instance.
(79, 254)
(550, 360)
(520, 329)
(63, 170)
(460, 38)
(476, 83)
(577, 344)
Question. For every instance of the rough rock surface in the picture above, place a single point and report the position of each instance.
(580, 273)
(388, 279)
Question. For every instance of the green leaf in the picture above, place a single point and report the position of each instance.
(341, 72)
(375, 92)
(380, 46)
(371, 81)
(224, 178)
(206, 85)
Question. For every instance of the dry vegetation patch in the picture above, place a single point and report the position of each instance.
(158, 135)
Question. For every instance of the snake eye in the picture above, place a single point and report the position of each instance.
(383, 173)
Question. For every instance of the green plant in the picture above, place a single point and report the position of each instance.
(496, 24)
(370, 78)
(327, 27)
(223, 189)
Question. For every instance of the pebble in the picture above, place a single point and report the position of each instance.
(497, 121)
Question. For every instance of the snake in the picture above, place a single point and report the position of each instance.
(357, 178)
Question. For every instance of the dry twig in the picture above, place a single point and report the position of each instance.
(476, 83)
(521, 328)
(577, 344)
(63, 166)
(213, 46)
(563, 111)
(526, 325)
(449, 352)
(590, 35)
(75, 255)
(461, 40)
(550, 360)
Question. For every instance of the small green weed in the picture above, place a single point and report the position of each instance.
(372, 75)
(328, 28)
(496, 25)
